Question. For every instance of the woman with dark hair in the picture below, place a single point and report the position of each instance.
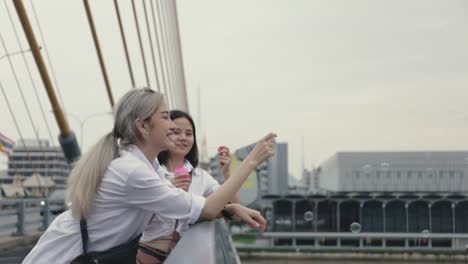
(171, 159)
(179, 165)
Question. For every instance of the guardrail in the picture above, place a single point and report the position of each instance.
(455, 241)
(18, 215)
(207, 242)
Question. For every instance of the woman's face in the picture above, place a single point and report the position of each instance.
(160, 129)
(182, 136)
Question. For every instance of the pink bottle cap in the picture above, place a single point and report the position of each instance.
(180, 170)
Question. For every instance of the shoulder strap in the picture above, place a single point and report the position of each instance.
(84, 235)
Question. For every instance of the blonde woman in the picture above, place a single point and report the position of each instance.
(116, 189)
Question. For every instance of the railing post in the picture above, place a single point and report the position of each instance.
(293, 220)
(407, 224)
(453, 223)
(361, 205)
(20, 205)
(45, 216)
(315, 215)
(429, 242)
(273, 216)
(384, 214)
(338, 218)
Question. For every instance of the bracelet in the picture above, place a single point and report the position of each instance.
(226, 214)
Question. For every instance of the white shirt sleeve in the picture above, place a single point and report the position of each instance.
(210, 184)
(146, 190)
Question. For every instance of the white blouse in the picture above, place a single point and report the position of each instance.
(129, 194)
(202, 184)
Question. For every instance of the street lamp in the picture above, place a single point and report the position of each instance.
(82, 123)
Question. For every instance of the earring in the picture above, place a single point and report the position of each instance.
(146, 133)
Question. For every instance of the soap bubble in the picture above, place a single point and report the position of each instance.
(308, 216)
(355, 227)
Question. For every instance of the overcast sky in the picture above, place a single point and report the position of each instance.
(343, 75)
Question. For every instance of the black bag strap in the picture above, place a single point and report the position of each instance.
(84, 235)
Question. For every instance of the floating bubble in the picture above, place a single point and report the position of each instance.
(308, 216)
(42, 203)
(355, 227)
(367, 168)
(426, 233)
(385, 166)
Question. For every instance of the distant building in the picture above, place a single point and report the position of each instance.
(4, 178)
(13, 188)
(33, 157)
(303, 185)
(433, 171)
(278, 170)
(38, 186)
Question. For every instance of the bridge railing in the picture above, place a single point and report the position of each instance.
(207, 242)
(18, 216)
(413, 241)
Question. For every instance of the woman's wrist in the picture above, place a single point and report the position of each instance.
(250, 163)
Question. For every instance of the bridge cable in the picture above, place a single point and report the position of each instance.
(166, 52)
(30, 76)
(49, 61)
(158, 83)
(124, 41)
(158, 45)
(135, 15)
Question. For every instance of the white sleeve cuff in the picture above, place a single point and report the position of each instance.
(198, 202)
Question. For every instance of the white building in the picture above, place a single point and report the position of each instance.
(433, 171)
(41, 158)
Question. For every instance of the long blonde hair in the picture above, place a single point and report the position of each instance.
(87, 173)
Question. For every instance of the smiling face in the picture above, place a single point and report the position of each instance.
(183, 137)
(159, 128)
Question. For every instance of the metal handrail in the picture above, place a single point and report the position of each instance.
(23, 208)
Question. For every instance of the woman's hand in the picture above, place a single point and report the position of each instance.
(224, 160)
(262, 150)
(218, 200)
(182, 181)
(250, 216)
